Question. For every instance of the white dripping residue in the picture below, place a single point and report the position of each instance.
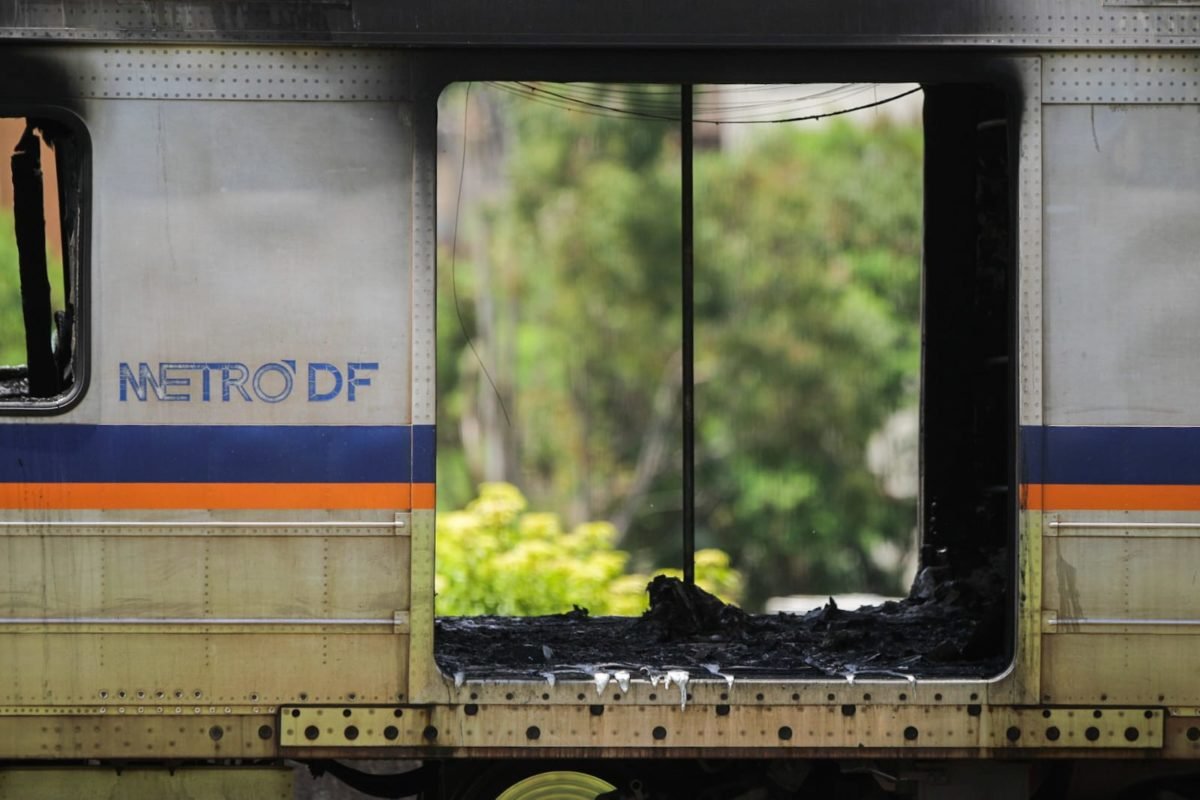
(550, 678)
(601, 679)
(622, 679)
(680, 678)
(715, 669)
(459, 679)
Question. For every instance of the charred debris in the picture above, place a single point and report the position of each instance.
(950, 625)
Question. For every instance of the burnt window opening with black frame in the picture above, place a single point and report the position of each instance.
(957, 619)
(41, 250)
(968, 408)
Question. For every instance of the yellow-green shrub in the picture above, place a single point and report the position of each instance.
(496, 557)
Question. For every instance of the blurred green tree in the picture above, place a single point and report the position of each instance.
(807, 308)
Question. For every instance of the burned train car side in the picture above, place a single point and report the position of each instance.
(220, 535)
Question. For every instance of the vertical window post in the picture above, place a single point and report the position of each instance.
(30, 227)
(689, 411)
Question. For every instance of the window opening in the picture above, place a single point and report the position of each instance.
(39, 252)
(564, 278)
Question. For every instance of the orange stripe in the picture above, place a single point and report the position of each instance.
(1116, 497)
(103, 496)
(424, 496)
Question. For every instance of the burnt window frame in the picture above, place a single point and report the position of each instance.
(74, 186)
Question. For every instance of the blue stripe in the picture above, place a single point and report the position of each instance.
(57, 453)
(424, 456)
(1093, 455)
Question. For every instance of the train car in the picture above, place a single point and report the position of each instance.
(217, 478)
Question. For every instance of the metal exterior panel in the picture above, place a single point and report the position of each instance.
(282, 221)
(1120, 623)
(1021, 683)
(1043, 24)
(1115, 580)
(140, 783)
(134, 737)
(1130, 668)
(424, 260)
(1029, 244)
(666, 728)
(295, 74)
(223, 669)
(1121, 78)
(152, 578)
(267, 618)
(267, 235)
(1121, 289)
(426, 684)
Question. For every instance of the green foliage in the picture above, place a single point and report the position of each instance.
(12, 324)
(12, 321)
(497, 557)
(807, 305)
